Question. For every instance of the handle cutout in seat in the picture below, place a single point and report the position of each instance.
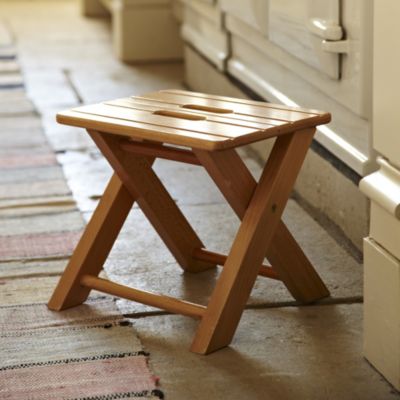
(177, 114)
(207, 108)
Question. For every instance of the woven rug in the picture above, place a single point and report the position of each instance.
(88, 352)
(38, 245)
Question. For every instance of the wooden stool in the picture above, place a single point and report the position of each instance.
(131, 133)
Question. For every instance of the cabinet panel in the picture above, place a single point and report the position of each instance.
(202, 28)
(301, 26)
(382, 310)
(253, 12)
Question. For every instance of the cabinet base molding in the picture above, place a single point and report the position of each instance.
(382, 311)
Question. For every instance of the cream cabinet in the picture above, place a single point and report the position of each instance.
(382, 247)
(306, 29)
(255, 13)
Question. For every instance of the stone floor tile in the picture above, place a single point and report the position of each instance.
(62, 137)
(50, 89)
(101, 85)
(288, 353)
(74, 40)
(66, 54)
(81, 168)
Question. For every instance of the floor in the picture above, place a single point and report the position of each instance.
(281, 350)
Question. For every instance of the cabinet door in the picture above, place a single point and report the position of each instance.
(303, 28)
(253, 12)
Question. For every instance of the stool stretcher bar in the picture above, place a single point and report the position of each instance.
(220, 259)
(168, 303)
(160, 151)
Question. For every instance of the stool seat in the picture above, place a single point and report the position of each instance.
(193, 119)
(203, 130)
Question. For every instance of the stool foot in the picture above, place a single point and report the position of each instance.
(294, 268)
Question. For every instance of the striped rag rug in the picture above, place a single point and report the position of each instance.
(87, 352)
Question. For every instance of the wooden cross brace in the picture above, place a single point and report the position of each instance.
(261, 233)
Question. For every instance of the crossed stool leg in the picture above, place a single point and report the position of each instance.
(261, 234)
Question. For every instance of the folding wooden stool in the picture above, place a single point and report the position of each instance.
(199, 129)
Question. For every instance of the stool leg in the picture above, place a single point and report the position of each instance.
(252, 241)
(160, 209)
(237, 184)
(94, 245)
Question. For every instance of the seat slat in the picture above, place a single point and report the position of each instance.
(139, 130)
(148, 118)
(238, 108)
(240, 117)
(231, 119)
(244, 101)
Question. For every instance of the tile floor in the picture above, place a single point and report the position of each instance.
(281, 350)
